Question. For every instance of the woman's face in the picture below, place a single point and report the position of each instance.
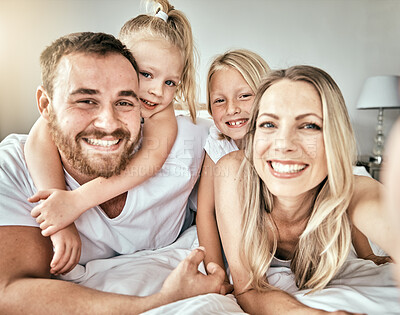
(231, 100)
(289, 151)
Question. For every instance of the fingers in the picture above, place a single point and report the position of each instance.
(196, 256)
(216, 270)
(49, 230)
(36, 211)
(65, 258)
(40, 195)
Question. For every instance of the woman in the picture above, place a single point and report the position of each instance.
(293, 197)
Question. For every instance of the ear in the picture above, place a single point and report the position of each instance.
(43, 102)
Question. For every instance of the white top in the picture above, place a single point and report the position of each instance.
(153, 214)
(216, 147)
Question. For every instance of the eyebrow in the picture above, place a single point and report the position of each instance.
(128, 93)
(85, 91)
(296, 118)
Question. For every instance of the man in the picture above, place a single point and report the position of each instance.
(89, 88)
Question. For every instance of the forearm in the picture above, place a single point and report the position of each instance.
(360, 243)
(39, 147)
(207, 232)
(46, 296)
(273, 302)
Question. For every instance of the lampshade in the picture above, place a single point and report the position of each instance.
(380, 92)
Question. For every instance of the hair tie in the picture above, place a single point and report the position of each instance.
(162, 15)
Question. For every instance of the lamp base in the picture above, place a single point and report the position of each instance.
(376, 159)
(379, 139)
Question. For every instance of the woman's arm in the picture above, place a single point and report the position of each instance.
(207, 229)
(363, 248)
(367, 213)
(229, 216)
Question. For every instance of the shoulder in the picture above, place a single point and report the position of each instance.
(232, 160)
(16, 184)
(202, 124)
(188, 131)
(12, 152)
(226, 171)
(217, 146)
(367, 194)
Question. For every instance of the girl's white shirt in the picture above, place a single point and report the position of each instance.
(216, 147)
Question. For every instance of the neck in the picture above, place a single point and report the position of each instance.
(239, 143)
(293, 209)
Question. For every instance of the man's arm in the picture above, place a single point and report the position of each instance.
(26, 286)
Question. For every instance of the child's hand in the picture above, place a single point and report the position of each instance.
(58, 209)
(67, 250)
(379, 260)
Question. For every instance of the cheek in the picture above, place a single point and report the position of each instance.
(261, 145)
(169, 95)
(217, 113)
(247, 107)
(142, 87)
(314, 147)
(134, 127)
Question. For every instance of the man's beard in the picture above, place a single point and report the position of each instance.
(95, 165)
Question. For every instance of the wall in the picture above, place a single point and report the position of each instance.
(350, 39)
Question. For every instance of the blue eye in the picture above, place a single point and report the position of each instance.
(145, 74)
(312, 126)
(266, 125)
(170, 83)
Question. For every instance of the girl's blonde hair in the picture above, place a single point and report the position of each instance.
(324, 244)
(178, 32)
(249, 64)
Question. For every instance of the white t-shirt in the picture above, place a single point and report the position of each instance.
(216, 147)
(154, 212)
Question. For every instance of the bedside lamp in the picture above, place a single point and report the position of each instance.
(380, 92)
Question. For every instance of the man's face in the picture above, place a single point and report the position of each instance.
(94, 114)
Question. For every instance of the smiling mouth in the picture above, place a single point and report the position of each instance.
(148, 104)
(102, 143)
(287, 168)
(237, 123)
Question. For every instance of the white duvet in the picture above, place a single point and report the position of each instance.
(361, 286)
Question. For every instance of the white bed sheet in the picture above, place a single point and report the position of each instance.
(363, 287)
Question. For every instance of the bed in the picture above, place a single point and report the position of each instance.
(362, 286)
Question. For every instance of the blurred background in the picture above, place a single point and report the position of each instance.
(350, 39)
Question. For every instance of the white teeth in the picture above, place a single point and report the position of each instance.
(148, 103)
(102, 143)
(234, 123)
(287, 168)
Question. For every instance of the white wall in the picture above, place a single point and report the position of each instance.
(350, 39)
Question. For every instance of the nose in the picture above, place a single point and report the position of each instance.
(155, 88)
(285, 141)
(106, 119)
(232, 107)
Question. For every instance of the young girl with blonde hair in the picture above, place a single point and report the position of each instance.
(291, 198)
(232, 79)
(162, 45)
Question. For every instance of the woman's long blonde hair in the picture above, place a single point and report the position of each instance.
(324, 244)
(178, 32)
